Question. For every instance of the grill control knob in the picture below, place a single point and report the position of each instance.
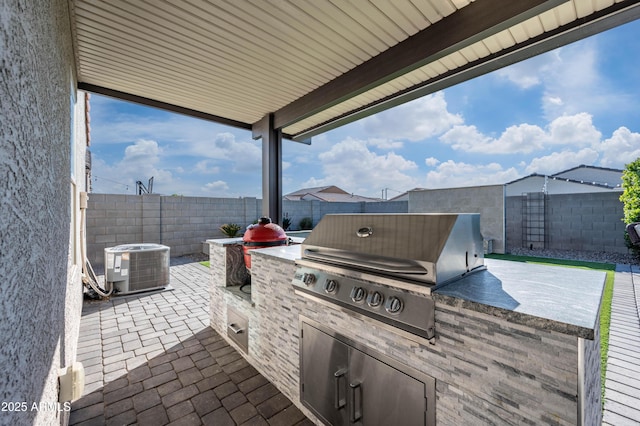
(393, 305)
(331, 286)
(308, 278)
(375, 299)
(358, 294)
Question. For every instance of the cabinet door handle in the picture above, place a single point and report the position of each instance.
(355, 415)
(235, 329)
(338, 402)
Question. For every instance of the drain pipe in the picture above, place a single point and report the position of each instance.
(88, 275)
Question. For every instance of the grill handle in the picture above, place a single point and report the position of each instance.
(378, 265)
(355, 415)
(339, 402)
(235, 329)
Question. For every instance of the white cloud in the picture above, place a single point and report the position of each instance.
(140, 162)
(238, 155)
(205, 167)
(142, 150)
(353, 167)
(451, 174)
(217, 188)
(431, 161)
(382, 143)
(558, 161)
(111, 126)
(414, 121)
(573, 79)
(525, 74)
(524, 138)
(621, 148)
(576, 130)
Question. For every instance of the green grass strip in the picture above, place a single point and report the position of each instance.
(204, 263)
(550, 261)
(605, 304)
(605, 321)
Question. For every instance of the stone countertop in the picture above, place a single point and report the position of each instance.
(238, 240)
(286, 253)
(225, 241)
(566, 300)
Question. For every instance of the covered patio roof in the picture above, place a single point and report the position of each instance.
(295, 69)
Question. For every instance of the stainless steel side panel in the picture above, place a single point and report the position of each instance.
(323, 381)
(381, 395)
(238, 329)
(372, 389)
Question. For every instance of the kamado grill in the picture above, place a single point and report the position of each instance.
(384, 266)
(261, 235)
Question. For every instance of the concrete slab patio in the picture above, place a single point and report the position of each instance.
(152, 359)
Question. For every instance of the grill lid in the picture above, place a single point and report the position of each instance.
(424, 247)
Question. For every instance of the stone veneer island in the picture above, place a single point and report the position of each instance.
(516, 344)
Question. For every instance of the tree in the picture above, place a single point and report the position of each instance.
(630, 197)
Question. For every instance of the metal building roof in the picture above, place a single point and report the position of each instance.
(313, 65)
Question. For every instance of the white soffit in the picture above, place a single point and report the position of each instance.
(243, 59)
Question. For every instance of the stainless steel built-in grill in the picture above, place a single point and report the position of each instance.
(384, 266)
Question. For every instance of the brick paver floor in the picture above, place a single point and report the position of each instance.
(152, 359)
(622, 384)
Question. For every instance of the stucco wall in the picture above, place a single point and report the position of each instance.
(40, 289)
(486, 200)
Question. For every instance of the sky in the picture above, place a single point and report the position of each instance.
(579, 104)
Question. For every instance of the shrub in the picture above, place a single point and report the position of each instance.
(630, 198)
(306, 223)
(286, 223)
(230, 229)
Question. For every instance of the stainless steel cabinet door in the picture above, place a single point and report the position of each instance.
(324, 375)
(381, 395)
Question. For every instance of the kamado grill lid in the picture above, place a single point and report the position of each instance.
(263, 234)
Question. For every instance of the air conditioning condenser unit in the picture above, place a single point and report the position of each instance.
(132, 268)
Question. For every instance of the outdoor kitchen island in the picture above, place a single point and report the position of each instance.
(514, 344)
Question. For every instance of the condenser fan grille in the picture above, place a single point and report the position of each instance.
(133, 268)
(147, 270)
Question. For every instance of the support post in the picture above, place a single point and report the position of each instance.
(271, 167)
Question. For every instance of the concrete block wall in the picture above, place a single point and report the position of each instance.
(297, 210)
(513, 222)
(112, 220)
(586, 222)
(187, 221)
(486, 200)
(183, 223)
(589, 222)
